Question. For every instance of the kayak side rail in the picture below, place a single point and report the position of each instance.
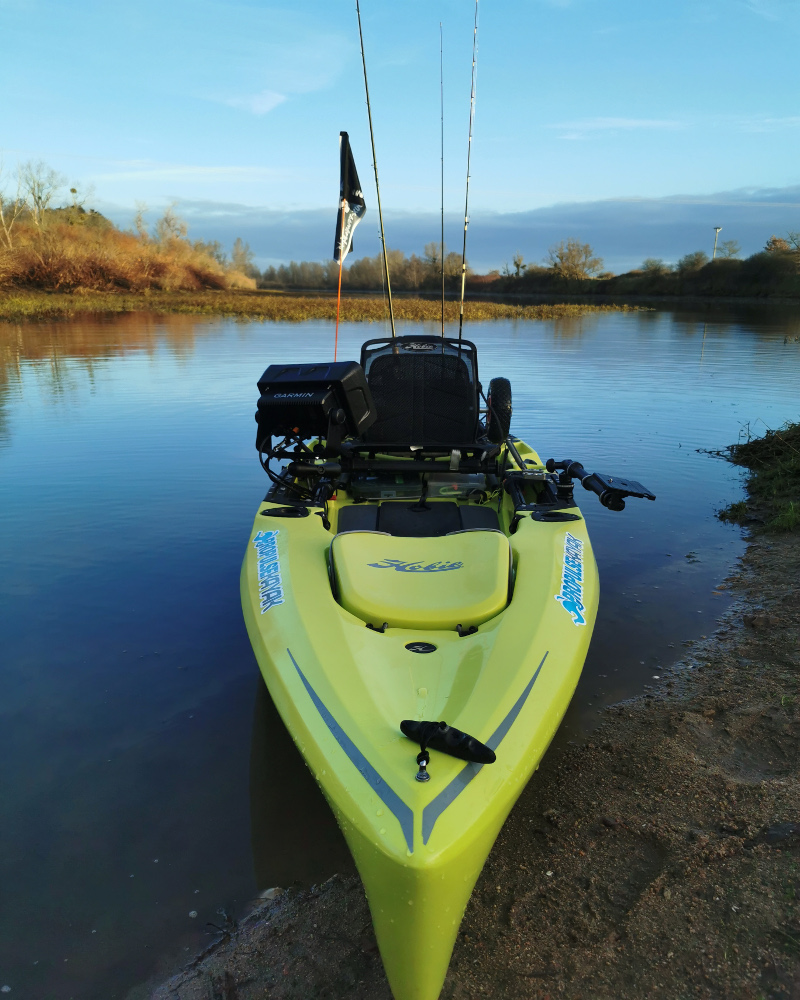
(302, 469)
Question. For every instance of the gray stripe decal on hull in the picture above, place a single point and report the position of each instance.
(388, 796)
(434, 809)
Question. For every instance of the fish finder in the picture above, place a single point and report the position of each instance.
(330, 400)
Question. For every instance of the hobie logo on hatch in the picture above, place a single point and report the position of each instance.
(416, 567)
(571, 596)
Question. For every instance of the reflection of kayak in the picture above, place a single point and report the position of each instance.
(295, 844)
(423, 566)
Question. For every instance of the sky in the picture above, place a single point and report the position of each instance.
(636, 127)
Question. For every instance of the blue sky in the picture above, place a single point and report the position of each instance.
(233, 110)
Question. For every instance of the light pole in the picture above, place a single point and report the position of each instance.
(716, 237)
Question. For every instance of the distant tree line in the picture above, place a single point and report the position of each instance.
(411, 274)
(572, 267)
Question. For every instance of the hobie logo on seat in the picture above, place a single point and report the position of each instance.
(419, 346)
(270, 585)
(416, 567)
(571, 596)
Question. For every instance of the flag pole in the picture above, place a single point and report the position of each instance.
(338, 295)
(441, 107)
(375, 165)
(466, 199)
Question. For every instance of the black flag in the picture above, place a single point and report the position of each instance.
(351, 201)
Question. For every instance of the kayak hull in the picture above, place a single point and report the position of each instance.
(342, 690)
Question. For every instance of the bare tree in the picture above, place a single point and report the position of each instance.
(519, 264)
(242, 258)
(729, 250)
(433, 255)
(139, 223)
(11, 206)
(40, 184)
(573, 260)
(793, 239)
(80, 194)
(170, 226)
(452, 265)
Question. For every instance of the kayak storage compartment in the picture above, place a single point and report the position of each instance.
(422, 583)
(415, 521)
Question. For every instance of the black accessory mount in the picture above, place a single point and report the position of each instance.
(612, 490)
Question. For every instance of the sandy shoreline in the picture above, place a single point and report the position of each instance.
(660, 858)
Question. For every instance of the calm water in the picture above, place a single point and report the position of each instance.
(146, 775)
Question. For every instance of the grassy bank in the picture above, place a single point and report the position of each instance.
(70, 249)
(20, 305)
(773, 484)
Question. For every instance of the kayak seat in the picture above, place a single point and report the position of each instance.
(407, 520)
(425, 391)
(422, 582)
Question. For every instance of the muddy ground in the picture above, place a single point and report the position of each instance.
(659, 859)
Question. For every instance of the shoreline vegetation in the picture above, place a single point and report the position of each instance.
(36, 304)
(773, 482)
(661, 857)
(62, 261)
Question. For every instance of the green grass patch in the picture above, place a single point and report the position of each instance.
(787, 519)
(734, 513)
(774, 480)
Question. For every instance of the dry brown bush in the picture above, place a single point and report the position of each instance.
(65, 257)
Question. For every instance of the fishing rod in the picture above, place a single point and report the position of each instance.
(466, 199)
(441, 106)
(375, 165)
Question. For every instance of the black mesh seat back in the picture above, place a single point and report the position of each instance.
(426, 397)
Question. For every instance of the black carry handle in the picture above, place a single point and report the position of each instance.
(447, 739)
(612, 490)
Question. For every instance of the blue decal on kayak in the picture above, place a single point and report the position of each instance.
(270, 585)
(434, 809)
(387, 795)
(416, 567)
(571, 596)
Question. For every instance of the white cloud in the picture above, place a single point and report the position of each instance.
(577, 129)
(623, 230)
(258, 104)
(582, 129)
(764, 8)
(156, 171)
(768, 124)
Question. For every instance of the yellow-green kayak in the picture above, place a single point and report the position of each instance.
(378, 602)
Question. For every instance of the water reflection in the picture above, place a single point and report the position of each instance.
(84, 342)
(294, 834)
